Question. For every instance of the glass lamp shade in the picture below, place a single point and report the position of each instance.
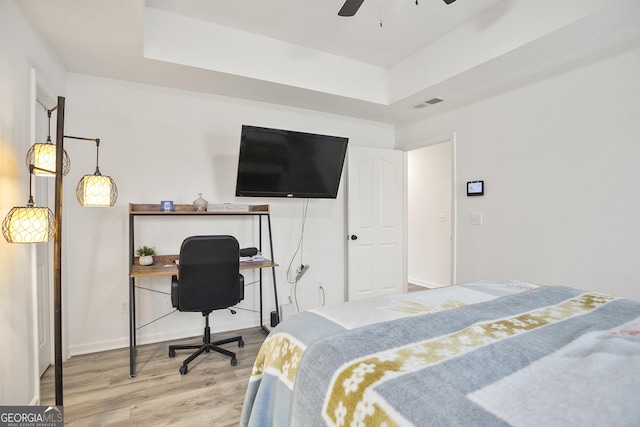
(96, 190)
(43, 156)
(28, 224)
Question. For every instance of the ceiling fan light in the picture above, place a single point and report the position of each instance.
(97, 191)
(28, 224)
(42, 155)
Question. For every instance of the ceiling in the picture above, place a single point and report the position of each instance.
(106, 38)
(406, 28)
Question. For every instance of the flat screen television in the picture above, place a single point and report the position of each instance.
(285, 163)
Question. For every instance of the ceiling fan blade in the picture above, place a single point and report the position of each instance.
(350, 7)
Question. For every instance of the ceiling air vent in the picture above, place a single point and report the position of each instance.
(428, 102)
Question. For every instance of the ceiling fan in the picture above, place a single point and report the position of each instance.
(350, 7)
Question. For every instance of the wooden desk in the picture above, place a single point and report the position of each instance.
(164, 265)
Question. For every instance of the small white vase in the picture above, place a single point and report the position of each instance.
(146, 260)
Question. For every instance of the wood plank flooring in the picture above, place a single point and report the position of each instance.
(99, 392)
(415, 288)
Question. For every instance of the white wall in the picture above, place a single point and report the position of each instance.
(163, 144)
(18, 62)
(429, 215)
(559, 158)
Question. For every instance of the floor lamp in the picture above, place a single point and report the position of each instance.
(30, 224)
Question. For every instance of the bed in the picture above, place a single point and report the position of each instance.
(484, 353)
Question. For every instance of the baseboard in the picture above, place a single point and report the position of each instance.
(96, 347)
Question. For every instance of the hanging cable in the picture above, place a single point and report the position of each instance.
(300, 248)
(295, 296)
(305, 207)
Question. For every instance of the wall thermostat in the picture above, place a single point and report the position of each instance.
(475, 188)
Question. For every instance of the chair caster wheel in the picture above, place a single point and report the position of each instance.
(184, 370)
(240, 343)
(234, 361)
(172, 353)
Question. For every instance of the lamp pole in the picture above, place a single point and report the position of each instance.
(57, 254)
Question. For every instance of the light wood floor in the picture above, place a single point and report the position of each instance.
(99, 392)
(414, 288)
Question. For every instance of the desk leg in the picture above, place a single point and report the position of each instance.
(132, 327)
(275, 294)
(264, 328)
(273, 271)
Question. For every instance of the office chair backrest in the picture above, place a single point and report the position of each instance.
(209, 273)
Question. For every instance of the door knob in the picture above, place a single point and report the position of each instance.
(354, 237)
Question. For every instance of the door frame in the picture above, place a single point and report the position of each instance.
(40, 88)
(43, 193)
(454, 200)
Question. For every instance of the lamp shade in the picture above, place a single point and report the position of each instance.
(43, 157)
(96, 190)
(28, 224)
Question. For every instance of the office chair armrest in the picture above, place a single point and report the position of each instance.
(241, 286)
(174, 290)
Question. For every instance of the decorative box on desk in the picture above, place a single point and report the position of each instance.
(164, 265)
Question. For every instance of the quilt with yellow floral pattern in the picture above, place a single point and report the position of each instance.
(552, 356)
(269, 394)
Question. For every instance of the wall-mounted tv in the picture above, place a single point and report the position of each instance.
(285, 163)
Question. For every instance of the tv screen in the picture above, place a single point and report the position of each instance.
(285, 163)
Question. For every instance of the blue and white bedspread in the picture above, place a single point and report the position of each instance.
(510, 353)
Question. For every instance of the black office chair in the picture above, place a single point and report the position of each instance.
(208, 279)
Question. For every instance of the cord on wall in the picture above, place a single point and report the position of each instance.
(322, 295)
(299, 249)
(302, 268)
(295, 297)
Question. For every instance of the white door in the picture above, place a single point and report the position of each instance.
(43, 254)
(375, 222)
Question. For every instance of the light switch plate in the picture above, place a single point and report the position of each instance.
(476, 219)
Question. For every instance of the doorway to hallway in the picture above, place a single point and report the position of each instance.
(431, 216)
